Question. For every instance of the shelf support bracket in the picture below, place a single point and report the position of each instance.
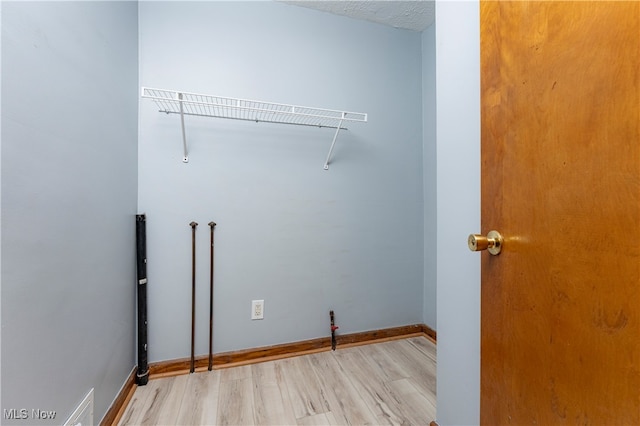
(333, 143)
(185, 158)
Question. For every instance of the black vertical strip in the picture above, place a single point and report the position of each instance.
(193, 294)
(142, 375)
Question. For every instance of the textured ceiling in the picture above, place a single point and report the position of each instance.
(411, 15)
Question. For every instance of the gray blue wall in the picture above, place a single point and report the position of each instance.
(458, 199)
(303, 239)
(69, 166)
(429, 171)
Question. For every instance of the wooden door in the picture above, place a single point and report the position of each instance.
(560, 331)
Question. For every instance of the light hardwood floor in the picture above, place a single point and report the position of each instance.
(392, 382)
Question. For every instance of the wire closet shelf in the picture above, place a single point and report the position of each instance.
(185, 103)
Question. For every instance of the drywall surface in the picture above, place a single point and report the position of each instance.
(69, 161)
(0, 212)
(303, 239)
(429, 174)
(458, 186)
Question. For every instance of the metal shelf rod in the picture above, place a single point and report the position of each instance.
(185, 157)
(333, 143)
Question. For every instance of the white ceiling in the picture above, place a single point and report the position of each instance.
(412, 15)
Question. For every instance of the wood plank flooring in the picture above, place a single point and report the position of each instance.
(392, 382)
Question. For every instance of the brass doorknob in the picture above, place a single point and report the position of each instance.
(492, 242)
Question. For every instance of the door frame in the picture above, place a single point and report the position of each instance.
(458, 210)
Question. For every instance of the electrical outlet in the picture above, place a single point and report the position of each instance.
(257, 309)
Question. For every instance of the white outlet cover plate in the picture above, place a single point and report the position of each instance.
(257, 309)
